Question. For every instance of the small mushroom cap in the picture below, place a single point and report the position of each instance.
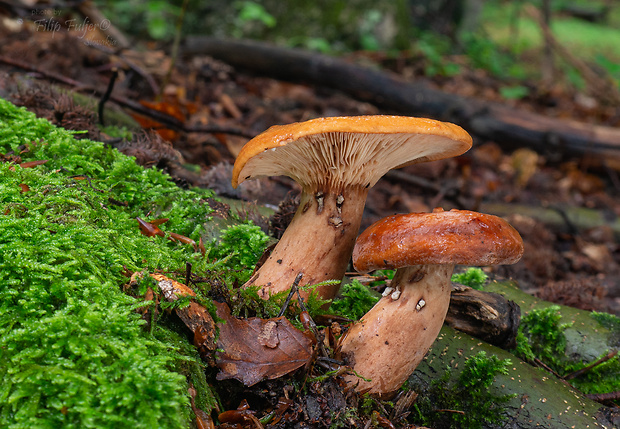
(335, 152)
(453, 237)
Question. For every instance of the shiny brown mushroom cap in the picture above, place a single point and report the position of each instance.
(330, 153)
(453, 237)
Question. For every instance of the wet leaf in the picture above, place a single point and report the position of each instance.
(182, 239)
(256, 349)
(195, 316)
(525, 162)
(158, 222)
(31, 164)
(148, 229)
(172, 289)
(171, 108)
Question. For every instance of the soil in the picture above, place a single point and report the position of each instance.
(565, 262)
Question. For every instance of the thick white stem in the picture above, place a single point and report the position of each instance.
(318, 242)
(393, 337)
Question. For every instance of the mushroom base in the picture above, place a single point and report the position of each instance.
(393, 337)
(318, 243)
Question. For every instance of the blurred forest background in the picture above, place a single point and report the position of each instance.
(506, 39)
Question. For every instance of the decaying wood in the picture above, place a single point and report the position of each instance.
(590, 13)
(488, 316)
(586, 339)
(486, 120)
(195, 316)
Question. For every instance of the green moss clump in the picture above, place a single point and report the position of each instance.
(243, 244)
(607, 320)
(355, 301)
(468, 403)
(541, 337)
(73, 350)
(473, 277)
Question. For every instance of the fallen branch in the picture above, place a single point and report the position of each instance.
(582, 371)
(488, 316)
(568, 219)
(487, 121)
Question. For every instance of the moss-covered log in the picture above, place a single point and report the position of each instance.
(540, 398)
(588, 335)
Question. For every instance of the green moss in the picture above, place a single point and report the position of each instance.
(355, 301)
(468, 403)
(607, 320)
(73, 350)
(248, 303)
(189, 363)
(541, 337)
(473, 277)
(243, 245)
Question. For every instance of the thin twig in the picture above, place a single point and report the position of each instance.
(444, 410)
(449, 192)
(294, 288)
(48, 74)
(188, 272)
(410, 179)
(546, 367)
(313, 327)
(215, 129)
(328, 363)
(106, 95)
(604, 359)
(88, 179)
(604, 397)
(133, 66)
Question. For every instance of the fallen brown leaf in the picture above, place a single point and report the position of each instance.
(255, 349)
(195, 316)
(148, 229)
(31, 164)
(172, 289)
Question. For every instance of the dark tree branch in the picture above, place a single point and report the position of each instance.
(485, 120)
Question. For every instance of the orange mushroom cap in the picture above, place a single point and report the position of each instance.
(452, 237)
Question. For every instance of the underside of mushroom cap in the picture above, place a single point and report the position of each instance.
(452, 237)
(331, 153)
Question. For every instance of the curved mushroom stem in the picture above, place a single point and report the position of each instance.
(318, 242)
(393, 337)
